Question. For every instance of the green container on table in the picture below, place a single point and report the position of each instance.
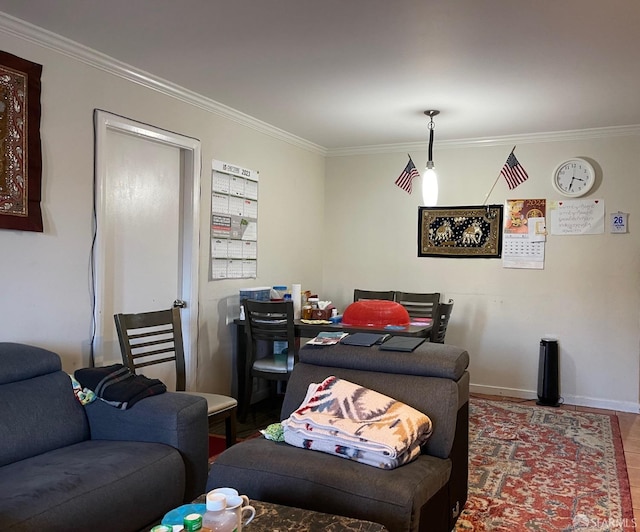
(162, 528)
(192, 523)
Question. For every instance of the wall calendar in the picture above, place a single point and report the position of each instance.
(524, 233)
(234, 222)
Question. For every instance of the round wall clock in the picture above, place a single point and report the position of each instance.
(574, 177)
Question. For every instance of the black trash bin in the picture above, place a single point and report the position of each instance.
(548, 373)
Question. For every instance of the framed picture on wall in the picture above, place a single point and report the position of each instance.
(460, 232)
(20, 153)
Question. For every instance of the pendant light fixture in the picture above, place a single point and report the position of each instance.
(429, 178)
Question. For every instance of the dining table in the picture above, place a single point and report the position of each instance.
(310, 329)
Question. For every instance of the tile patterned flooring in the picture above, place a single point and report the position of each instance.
(630, 431)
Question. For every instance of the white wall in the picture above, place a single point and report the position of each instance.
(45, 294)
(352, 228)
(588, 293)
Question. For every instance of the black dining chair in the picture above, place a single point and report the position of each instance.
(419, 305)
(440, 322)
(267, 322)
(372, 294)
(150, 338)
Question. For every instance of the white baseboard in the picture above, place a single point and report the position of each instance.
(577, 400)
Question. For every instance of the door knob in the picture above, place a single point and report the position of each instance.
(179, 303)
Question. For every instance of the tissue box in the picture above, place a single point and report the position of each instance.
(319, 314)
(262, 293)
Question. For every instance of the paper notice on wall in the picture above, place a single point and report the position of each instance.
(577, 217)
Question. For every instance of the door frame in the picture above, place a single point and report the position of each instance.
(190, 150)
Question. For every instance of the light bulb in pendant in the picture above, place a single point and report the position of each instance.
(429, 186)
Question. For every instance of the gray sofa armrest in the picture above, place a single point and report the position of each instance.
(175, 419)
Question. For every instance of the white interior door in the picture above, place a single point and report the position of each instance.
(146, 254)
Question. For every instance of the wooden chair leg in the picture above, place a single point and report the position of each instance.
(230, 428)
(244, 401)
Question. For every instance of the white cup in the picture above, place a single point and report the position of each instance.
(244, 512)
(239, 504)
(231, 492)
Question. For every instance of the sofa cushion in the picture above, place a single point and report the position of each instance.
(19, 362)
(39, 414)
(428, 360)
(435, 397)
(279, 473)
(92, 485)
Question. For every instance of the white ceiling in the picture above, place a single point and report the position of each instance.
(348, 73)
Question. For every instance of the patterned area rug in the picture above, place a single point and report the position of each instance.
(544, 469)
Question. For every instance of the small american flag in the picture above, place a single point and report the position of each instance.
(405, 179)
(513, 172)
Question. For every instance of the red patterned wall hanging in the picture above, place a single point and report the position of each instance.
(20, 150)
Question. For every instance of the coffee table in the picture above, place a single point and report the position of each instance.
(276, 517)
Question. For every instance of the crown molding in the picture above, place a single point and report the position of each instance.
(553, 136)
(57, 43)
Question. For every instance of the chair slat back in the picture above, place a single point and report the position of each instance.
(440, 322)
(150, 338)
(419, 305)
(359, 294)
(270, 321)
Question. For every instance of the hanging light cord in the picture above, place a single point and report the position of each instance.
(431, 127)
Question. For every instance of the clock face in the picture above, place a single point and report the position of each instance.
(574, 177)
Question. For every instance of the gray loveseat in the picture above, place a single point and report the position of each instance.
(67, 467)
(426, 494)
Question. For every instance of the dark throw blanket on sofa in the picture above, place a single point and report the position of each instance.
(117, 386)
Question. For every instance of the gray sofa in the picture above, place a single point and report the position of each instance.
(67, 467)
(426, 494)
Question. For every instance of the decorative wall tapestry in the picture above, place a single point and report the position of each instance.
(20, 150)
(469, 232)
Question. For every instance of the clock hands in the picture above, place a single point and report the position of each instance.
(574, 178)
